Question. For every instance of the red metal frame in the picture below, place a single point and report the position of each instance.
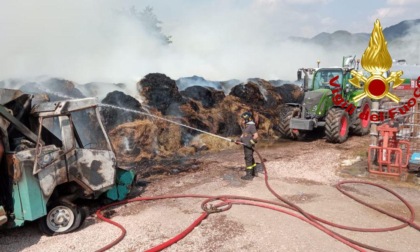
(390, 157)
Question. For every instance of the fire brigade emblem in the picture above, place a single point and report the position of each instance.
(377, 61)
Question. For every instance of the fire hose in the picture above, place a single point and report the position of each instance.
(227, 201)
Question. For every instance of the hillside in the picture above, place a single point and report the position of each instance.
(403, 40)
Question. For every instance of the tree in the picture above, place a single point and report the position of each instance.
(151, 23)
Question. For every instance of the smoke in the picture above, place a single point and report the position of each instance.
(408, 47)
(95, 41)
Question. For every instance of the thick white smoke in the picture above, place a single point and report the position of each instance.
(408, 47)
(85, 42)
(91, 41)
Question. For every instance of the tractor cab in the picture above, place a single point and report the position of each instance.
(323, 77)
(322, 80)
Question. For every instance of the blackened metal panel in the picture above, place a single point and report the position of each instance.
(51, 164)
(53, 171)
(95, 168)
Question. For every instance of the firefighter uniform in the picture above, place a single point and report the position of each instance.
(249, 138)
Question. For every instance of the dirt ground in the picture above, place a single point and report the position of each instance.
(304, 173)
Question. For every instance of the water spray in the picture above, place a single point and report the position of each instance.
(167, 120)
(150, 115)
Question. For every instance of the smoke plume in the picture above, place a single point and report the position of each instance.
(97, 41)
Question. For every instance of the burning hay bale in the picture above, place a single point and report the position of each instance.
(197, 108)
(152, 138)
(142, 140)
(262, 98)
(161, 92)
(115, 116)
(230, 110)
(258, 93)
(134, 141)
(196, 116)
(265, 101)
(249, 93)
(138, 137)
(290, 93)
(169, 137)
(208, 96)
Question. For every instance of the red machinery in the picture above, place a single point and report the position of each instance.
(392, 155)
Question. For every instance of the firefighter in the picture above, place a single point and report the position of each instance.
(249, 138)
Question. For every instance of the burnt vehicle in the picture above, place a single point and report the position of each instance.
(54, 154)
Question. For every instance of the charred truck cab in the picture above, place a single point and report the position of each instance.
(55, 153)
(327, 104)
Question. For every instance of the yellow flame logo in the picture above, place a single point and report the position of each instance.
(376, 60)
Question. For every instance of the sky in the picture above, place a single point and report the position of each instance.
(90, 41)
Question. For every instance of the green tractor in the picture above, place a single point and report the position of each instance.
(328, 103)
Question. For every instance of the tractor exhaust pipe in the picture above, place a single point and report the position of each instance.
(305, 81)
(305, 78)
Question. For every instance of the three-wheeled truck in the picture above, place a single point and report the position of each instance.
(54, 155)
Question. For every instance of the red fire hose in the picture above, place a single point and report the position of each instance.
(227, 201)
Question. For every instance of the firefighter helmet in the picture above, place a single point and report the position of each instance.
(247, 116)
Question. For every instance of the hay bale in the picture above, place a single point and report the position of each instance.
(211, 143)
(169, 138)
(134, 141)
(186, 151)
(161, 92)
(114, 116)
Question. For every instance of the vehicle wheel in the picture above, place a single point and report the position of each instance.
(337, 125)
(286, 114)
(360, 126)
(80, 218)
(61, 218)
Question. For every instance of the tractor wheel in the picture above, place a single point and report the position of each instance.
(361, 126)
(286, 114)
(61, 218)
(337, 125)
